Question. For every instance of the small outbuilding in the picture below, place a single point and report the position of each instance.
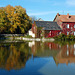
(46, 29)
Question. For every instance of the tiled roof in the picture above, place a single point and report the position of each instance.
(64, 18)
(47, 25)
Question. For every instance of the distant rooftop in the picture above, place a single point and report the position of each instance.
(40, 19)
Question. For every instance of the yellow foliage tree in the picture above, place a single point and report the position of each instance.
(14, 20)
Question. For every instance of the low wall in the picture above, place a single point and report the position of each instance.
(35, 39)
(11, 35)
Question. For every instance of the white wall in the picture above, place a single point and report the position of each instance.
(31, 33)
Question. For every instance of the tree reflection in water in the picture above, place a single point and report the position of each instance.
(14, 55)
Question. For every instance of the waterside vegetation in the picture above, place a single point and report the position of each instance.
(63, 37)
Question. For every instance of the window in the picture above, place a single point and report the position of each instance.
(74, 25)
(67, 33)
(67, 25)
(50, 33)
(60, 33)
(74, 33)
(71, 27)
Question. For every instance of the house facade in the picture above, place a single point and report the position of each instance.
(66, 22)
(61, 24)
(46, 29)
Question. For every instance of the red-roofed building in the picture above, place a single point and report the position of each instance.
(66, 22)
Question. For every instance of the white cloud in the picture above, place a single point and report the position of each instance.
(39, 0)
(42, 13)
(70, 2)
(71, 11)
(49, 12)
(59, 3)
(29, 10)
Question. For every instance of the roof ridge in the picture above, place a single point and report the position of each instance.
(66, 15)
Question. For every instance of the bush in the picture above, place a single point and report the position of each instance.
(60, 37)
(64, 37)
(28, 36)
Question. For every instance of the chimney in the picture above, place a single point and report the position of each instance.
(67, 15)
(57, 14)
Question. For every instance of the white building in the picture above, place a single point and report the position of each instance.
(31, 33)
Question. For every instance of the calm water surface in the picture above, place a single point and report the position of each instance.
(37, 58)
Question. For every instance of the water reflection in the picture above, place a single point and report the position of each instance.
(44, 49)
(66, 55)
(16, 55)
(60, 53)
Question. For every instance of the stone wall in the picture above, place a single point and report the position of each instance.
(11, 35)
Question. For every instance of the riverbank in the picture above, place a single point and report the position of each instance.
(35, 39)
(23, 37)
(20, 39)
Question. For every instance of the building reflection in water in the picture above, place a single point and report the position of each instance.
(44, 49)
(66, 55)
(61, 54)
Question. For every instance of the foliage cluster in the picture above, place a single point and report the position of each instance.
(14, 20)
(64, 37)
(40, 32)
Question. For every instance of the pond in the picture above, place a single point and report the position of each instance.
(37, 58)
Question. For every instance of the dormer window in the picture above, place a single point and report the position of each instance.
(74, 25)
(67, 25)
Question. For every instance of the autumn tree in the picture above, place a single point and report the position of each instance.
(16, 20)
(23, 20)
(3, 20)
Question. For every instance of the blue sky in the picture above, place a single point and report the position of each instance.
(45, 9)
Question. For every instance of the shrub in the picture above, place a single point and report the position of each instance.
(64, 37)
